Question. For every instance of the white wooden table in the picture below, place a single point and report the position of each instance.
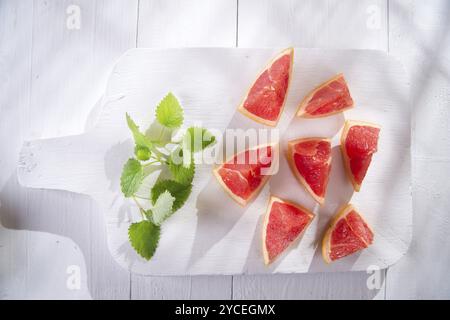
(55, 56)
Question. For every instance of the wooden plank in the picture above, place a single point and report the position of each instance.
(348, 24)
(113, 32)
(180, 23)
(24, 268)
(25, 271)
(346, 285)
(197, 287)
(419, 35)
(106, 30)
(16, 27)
(70, 63)
(351, 24)
(24, 255)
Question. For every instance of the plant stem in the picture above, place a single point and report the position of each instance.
(150, 163)
(168, 151)
(161, 133)
(141, 210)
(158, 155)
(143, 198)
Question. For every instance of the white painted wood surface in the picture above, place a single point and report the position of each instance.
(43, 78)
(24, 272)
(35, 278)
(419, 33)
(213, 82)
(414, 31)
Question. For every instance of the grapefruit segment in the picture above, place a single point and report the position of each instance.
(359, 142)
(265, 100)
(331, 97)
(244, 174)
(347, 234)
(284, 222)
(310, 161)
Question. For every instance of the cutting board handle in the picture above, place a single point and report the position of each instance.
(67, 163)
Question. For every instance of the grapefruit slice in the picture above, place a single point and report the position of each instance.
(283, 224)
(329, 98)
(310, 160)
(265, 100)
(244, 174)
(347, 234)
(359, 142)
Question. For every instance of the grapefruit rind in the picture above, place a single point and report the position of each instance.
(301, 108)
(327, 237)
(347, 126)
(250, 115)
(272, 199)
(239, 200)
(290, 158)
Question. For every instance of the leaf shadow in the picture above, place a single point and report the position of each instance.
(213, 221)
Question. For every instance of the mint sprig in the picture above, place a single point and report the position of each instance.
(155, 147)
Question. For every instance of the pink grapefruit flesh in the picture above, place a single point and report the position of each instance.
(359, 142)
(310, 160)
(265, 99)
(327, 99)
(348, 233)
(283, 224)
(245, 173)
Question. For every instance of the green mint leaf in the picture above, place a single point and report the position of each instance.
(144, 237)
(139, 138)
(169, 112)
(162, 208)
(179, 191)
(199, 139)
(142, 153)
(177, 167)
(131, 178)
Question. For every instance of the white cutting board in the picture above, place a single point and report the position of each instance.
(211, 234)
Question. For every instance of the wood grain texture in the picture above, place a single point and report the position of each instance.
(66, 73)
(181, 288)
(26, 274)
(419, 34)
(179, 23)
(15, 54)
(24, 269)
(326, 286)
(107, 29)
(347, 24)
